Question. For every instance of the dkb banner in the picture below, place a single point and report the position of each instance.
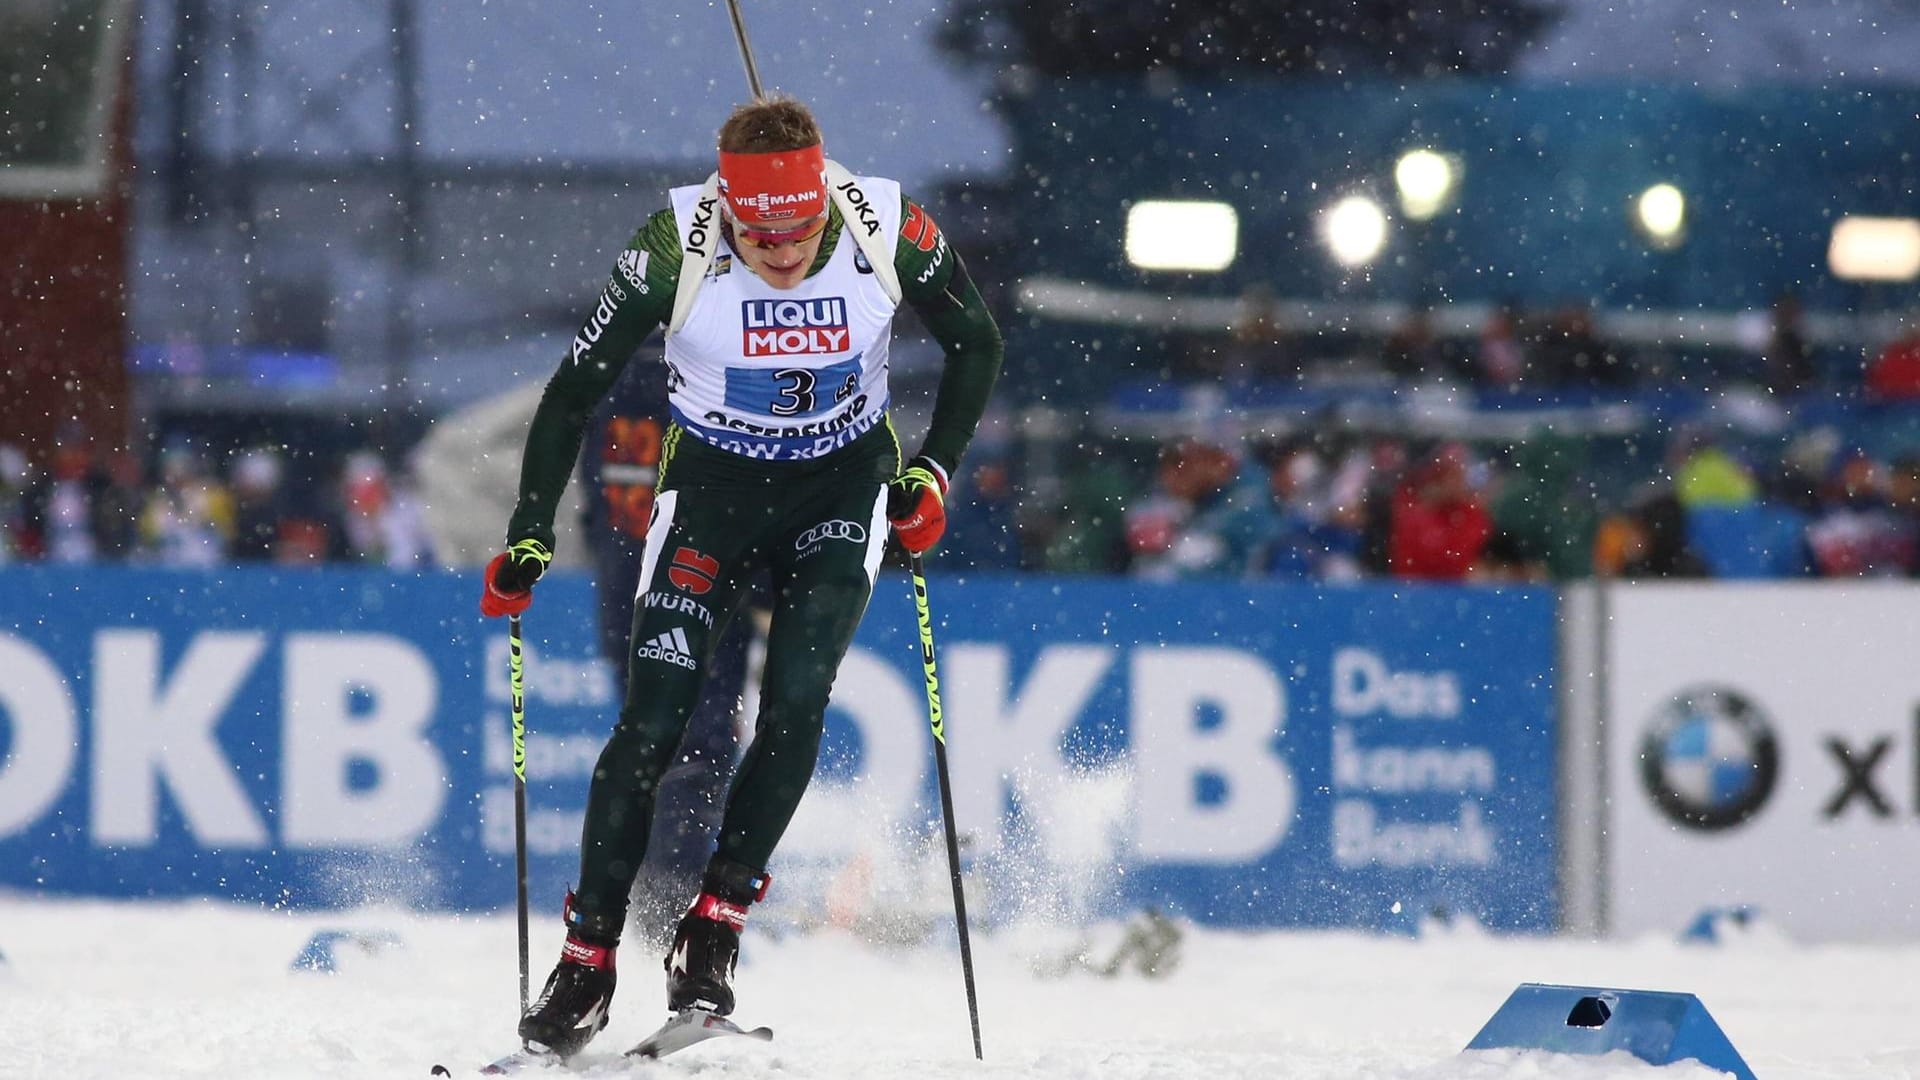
(1236, 752)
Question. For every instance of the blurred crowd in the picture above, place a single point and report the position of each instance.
(185, 510)
(1322, 502)
(1310, 507)
(1387, 508)
(1693, 500)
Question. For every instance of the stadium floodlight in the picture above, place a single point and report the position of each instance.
(1182, 234)
(1354, 230)
(1874, 249)
(1426, 179)
(1661, 213)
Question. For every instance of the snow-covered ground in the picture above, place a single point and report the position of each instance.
(205, 990)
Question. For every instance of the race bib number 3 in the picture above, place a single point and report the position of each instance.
(792, 391)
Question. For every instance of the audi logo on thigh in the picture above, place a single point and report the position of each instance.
(831, 530)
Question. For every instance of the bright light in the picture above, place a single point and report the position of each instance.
(1662, 213)
(1167, 234)
(1875, 249)
(1426, 180)
(1354, 229)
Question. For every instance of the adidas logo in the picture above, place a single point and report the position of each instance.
(633, 267)
(671, 646)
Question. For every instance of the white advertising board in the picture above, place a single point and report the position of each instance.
(1763, 749)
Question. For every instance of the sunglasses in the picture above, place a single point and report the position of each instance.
(770, 238)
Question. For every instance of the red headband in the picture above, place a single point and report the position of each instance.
(771, 188)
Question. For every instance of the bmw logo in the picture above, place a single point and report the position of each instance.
(1709, 758)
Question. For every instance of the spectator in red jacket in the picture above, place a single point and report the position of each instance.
(1895, 373)
(1440, 526)
(1860, 533)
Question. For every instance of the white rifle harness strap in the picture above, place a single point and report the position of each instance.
(878, 248)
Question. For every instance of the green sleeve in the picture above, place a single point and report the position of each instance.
(638, 297)
(934, 282)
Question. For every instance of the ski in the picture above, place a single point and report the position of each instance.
(683, 1029)
(520, 1061)
(690, 1026)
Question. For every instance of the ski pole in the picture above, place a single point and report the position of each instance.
(946, 790)
(518, 687)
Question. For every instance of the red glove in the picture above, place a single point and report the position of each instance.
(510, 577)
(917, 504)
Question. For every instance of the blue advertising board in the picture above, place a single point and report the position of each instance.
(1240, 753)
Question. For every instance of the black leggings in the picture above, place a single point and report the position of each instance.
(818, 529)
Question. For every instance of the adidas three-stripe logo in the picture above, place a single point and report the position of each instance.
(671, 646)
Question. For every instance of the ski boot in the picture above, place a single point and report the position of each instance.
(573, 1007)
(706, 945)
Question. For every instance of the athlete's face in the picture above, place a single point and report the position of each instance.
(781, 257)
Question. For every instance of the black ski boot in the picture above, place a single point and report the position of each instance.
(706, 945)
(573, 1007)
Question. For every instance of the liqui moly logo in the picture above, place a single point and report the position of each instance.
(791, 327)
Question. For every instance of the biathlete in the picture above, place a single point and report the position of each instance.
(777, 281)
